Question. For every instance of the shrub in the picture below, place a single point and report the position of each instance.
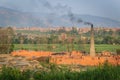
(105, 72)
(118, 51)
(9, 73)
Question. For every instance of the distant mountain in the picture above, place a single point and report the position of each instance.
(100, 21)
(10, 17)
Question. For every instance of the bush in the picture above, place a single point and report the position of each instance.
(43, 59)
(118, 51)
(105, 72)
(9, 73)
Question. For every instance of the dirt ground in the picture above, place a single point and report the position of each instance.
(75, 57)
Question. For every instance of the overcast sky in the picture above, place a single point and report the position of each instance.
(103, 8)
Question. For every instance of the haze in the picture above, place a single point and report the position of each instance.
(102, 8)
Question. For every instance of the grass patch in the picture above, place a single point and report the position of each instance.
(60, 47)
(105, 72)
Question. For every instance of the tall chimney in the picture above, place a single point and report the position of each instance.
(92, 46)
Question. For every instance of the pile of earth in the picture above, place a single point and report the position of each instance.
(18, 62)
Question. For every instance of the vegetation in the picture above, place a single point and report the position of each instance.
(102, 36)
(100, 73)
(60, 47)
(6, 40)
(9, 73)
(118, 51)
(58, 41)
(63, 40)
(106, 72)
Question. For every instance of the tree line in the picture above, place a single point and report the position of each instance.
(9, 37)
(73, 36)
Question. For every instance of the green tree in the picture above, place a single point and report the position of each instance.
(6, 40)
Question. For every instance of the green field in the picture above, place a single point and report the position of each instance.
(66, 47)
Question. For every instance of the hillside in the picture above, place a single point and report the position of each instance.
(10, 17)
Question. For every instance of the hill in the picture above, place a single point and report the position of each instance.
(10, 17)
